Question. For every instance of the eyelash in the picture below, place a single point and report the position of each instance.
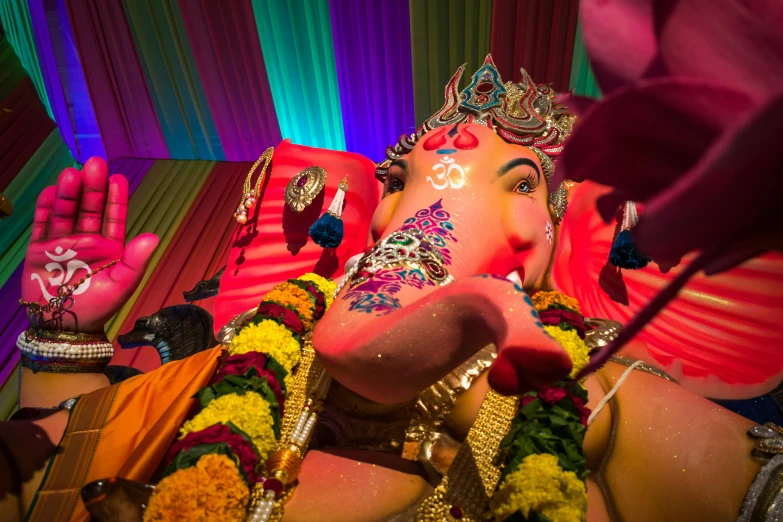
(531, 184)
(389, 183)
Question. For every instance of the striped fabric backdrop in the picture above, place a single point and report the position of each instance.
(180, 95)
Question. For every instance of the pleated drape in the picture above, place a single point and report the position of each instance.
(164, 52)
(227, 52)
(123, 106)
(373, 56)
(537, 36)
(159, 205)
(18, 28)
(62, 71)
(24, 125)
(582, 77)
(296, 39)
(444, 35)
(40, 170)
(197, 251)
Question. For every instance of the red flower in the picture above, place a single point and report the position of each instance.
(554, 316)
(551, 395)
(578, 402)
(585, 414)
(283, 315)
(526, 399)
(241, 363)
(215, 434)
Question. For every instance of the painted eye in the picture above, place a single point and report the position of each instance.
(394, 185)
(523, 187)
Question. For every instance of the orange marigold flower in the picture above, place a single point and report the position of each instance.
(543, 300)
(210, 491)
(290, 294)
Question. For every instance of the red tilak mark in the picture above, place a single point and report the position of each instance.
(466, 142)
(436, 141)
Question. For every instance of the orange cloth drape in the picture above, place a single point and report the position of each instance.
(120, 431)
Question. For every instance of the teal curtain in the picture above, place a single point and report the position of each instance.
(15, 17)
(296, 40)
(582, 78)
(444, 35)
(40, 171)
(173, 79)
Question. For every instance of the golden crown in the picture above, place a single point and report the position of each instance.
(522, 113)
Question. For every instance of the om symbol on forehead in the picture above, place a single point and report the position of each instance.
(448, 173)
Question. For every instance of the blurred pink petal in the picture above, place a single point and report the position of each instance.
(620, 38)
(730, 194)
(577, 104)
(640, 139)
(727, 43)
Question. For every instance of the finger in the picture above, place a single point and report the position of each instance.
(134, 260)
(66, 202)
(90, 217)
(42, 222)
(116, 208)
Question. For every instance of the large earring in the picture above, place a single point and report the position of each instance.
(304, 187)
(327, 232)
(624, 253)
(249, 197)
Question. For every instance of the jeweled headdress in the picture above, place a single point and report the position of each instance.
(521, 113)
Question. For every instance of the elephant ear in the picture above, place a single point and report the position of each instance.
(721, 337)
(274, 245)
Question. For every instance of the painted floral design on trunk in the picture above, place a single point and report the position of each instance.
(415, 255)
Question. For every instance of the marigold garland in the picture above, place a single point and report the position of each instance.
(290, 294)
(249, 412)
(275, 339)
(541, 485)
(326, 286)
(574, 345)
(544, 300)
(211, 490)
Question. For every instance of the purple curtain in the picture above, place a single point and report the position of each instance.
(372, 47)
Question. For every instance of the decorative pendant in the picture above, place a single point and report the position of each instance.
(304, 187)
(249, 196)
(624, 253)
(327, 232)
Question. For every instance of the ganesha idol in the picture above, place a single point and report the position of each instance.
(396, 354)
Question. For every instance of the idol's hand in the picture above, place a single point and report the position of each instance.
(79, 227)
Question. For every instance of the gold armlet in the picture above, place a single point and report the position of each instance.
(764, 500)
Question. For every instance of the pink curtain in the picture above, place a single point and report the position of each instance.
(122, 102)
(197, 251)
(224, 40)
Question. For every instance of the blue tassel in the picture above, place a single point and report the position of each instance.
(624, 253)
(327, 232)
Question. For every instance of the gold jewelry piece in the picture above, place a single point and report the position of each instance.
(249, 197)
(64, 352)
(464, 492)
(304, 187)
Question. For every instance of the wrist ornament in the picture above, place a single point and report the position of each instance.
(55, 351)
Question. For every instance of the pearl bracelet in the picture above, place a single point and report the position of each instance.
(41, 344)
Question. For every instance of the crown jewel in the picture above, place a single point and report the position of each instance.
(521, 113)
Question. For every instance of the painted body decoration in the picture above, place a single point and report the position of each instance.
(384, 270)
(65, 274)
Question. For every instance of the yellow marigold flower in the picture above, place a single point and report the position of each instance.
(571, 343)
(212, 490)
(325, 285)
(543, 300)
(270, 338)
(290, 294)
(249, 412)
(541, 485)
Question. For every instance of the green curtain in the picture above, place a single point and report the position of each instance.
(296, 40)
(11, 70)
(582, 78)
(18, 27)
(159, 205)
(444, 35)
(41, 170)
(167, 59)
(9, 395)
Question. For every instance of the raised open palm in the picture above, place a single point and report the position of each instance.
(79, 227)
